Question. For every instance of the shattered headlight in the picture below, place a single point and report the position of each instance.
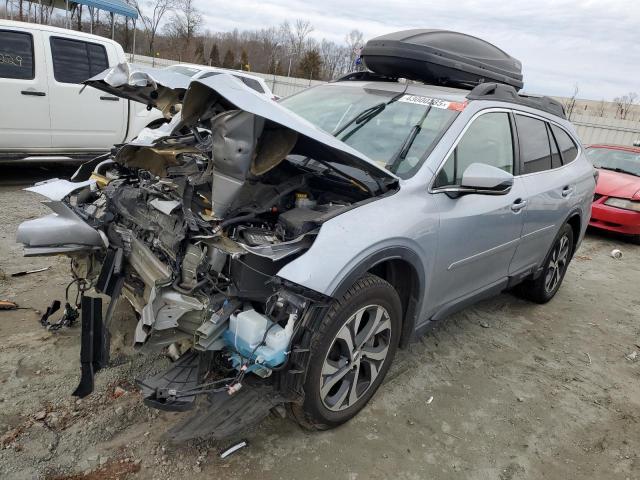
(623, 203)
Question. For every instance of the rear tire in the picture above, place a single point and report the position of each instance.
(350, 354)
(544, 288)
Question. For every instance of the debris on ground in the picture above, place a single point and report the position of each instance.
(7, 305)
(118, 392)
(430, 400)
(28, 272)
(582, 257)
(616, 253)
(233, 449)
(484, 324)
(632, 357)
(41, 415)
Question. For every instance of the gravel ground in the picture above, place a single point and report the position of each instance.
(519, 390)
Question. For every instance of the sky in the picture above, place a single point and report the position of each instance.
(592, 43)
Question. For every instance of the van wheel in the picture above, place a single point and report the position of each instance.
(350, 354)
(543, 289)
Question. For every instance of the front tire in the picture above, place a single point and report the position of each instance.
(544, 288)
(350, 354)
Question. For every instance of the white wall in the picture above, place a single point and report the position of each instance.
(606, 130)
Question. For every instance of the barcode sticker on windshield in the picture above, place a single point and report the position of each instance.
(419, 100)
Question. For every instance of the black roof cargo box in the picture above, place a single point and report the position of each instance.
(441, 57)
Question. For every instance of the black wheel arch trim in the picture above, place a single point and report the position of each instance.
(414, 304)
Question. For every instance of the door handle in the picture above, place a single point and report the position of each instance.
(113, 99)
(33, 93)
(518, 205)
(567, 190)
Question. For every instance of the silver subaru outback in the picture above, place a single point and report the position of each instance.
(282, 252)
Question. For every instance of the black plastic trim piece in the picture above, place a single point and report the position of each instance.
(391, 253)
(499, 92)
(94, 350)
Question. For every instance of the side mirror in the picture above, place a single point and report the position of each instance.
(481, 178)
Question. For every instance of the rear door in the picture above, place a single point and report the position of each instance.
(478, 234)
(91, 120)
(549, 186)
(24, 99)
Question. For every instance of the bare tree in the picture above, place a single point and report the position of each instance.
(599, 109)
(334, 58)
(355, 41)
(570, 103)
(302, 30)
(183, 26)
(624, 104)
(159, 9)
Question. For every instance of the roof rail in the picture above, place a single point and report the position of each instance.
(506, 93)
(365, 76)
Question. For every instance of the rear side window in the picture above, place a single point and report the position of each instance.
(535, 151)
(566, 145)
(487, 140)
(16, 55)
(75, 61)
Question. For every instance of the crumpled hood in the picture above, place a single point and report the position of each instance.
(618, 184)
(166, 90)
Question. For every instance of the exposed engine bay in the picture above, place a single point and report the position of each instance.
(191, 225)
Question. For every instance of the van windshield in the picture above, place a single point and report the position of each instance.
(381, 134)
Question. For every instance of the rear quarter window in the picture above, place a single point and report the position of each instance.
(75, 61)
(16, 55)
(568, 148)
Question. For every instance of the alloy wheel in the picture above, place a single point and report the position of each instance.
(557, 264)
(355, 357)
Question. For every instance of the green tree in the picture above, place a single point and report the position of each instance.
(244, 60)
(229, 60)
(310, 64)
(214, 56)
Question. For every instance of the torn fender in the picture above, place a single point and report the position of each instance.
(154, 87)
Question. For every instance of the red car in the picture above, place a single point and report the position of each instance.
(616, 203)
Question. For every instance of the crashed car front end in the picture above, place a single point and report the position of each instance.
(191, 225)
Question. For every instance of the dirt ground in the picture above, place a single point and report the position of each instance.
(519, 390)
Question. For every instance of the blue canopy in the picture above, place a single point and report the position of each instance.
(119, 7)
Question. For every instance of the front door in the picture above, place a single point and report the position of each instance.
(478, 233)
(24, 93)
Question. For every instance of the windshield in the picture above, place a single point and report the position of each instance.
(381, 136)
(188, 71)
(612, 159)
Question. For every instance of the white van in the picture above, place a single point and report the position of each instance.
(46, 114)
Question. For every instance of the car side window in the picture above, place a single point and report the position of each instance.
(487, 140)
(75, 61)
(535, 151)
(16, 55)
(568, 148)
